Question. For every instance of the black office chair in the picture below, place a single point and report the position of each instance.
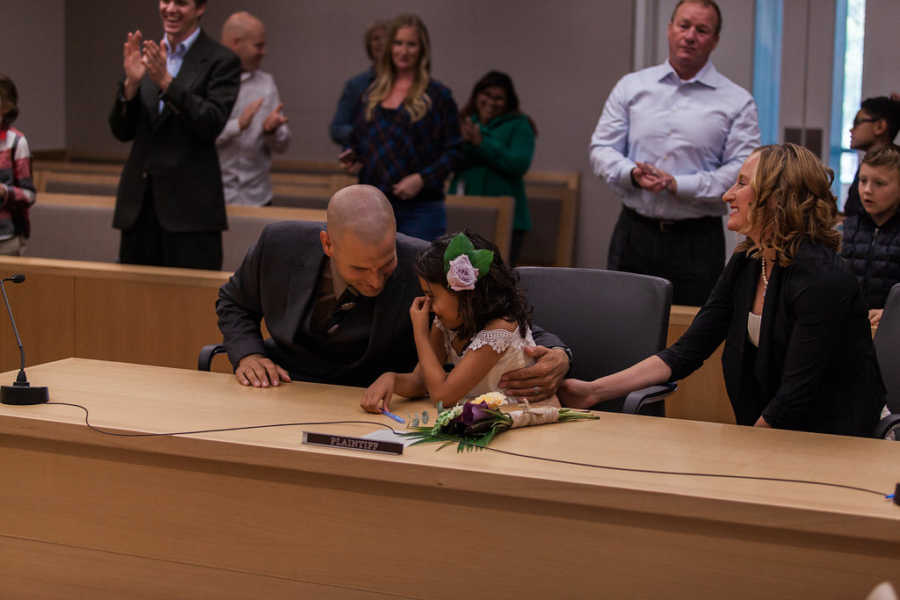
(887, 348)
(609, 319)
(206, 355)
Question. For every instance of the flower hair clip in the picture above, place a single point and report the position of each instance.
(464, 265)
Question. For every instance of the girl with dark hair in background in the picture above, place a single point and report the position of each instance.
(497, 150)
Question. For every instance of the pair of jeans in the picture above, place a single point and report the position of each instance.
(424, 220)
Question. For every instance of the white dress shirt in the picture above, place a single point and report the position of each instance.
(699, 131)
(246, 156)
(174, 58)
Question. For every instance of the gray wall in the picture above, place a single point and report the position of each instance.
(564, 57)
(807, 85)
(881, 67)
(33, 46)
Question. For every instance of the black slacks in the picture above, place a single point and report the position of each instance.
(147, 243)
(690, 253)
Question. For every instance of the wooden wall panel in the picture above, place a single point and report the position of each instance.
(702, 395)
(44, 307)
(144, 322)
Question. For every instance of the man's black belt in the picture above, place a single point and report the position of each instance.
(667, 225)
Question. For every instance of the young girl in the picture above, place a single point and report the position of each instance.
(481, 326)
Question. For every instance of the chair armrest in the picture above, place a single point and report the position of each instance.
(638, 399)
(886, 424)
(206, 355)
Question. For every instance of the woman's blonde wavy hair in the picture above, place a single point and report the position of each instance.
(793, 203)
(417, 103)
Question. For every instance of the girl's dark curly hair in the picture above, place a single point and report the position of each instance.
(496, 295)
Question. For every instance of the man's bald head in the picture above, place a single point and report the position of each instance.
(361, 238)
(245, 35)
(362, 210)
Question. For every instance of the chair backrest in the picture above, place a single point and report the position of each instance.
(887, 348)
(245, 224)
(491, 217)
(609, 319)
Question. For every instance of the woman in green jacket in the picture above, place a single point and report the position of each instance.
(498, 148)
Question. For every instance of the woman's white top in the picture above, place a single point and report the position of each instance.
(753, 322)
(509, 344)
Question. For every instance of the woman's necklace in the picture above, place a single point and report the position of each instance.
(765, 279)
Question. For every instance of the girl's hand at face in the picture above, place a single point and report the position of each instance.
(419, 314)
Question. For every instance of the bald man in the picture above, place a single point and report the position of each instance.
(336, 302)
(257, 126)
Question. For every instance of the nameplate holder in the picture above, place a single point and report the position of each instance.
(345, 442)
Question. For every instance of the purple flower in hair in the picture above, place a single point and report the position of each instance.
(461, 275)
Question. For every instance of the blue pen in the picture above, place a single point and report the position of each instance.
(392, 416)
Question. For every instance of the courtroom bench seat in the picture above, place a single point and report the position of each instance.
(77, 227)
(488, 216)
(552, 197)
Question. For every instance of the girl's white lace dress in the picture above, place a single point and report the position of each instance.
(508, 344)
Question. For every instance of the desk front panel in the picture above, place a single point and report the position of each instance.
(256, 509)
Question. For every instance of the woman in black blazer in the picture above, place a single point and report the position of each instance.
(798, 345)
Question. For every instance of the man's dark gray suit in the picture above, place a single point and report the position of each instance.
(277, 280)
(173, 157)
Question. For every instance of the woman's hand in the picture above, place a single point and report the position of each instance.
(348, 161)
(470, 131)
(420, 314)
(875, 316)
(577, 393)
(377, 396)
(409, 187)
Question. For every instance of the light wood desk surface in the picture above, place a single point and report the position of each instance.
(255, 512)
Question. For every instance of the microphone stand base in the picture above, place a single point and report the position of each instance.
(21, 395)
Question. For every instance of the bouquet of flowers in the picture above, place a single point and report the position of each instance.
(474, 424)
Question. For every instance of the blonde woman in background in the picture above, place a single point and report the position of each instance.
(406, 140)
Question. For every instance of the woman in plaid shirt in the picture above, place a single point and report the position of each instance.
(406, 140)
(16, 185)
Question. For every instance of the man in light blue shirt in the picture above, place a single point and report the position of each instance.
(670, 142)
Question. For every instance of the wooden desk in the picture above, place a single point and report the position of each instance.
(256, 514)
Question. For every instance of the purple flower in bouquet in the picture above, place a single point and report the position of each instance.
(461, 275)
(473, 413)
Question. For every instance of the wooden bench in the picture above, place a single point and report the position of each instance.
(79, 227)
(553, 197)
(490, 217)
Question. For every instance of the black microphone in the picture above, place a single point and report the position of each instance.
(20, 392)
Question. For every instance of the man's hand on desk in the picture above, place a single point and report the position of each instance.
(259, 371)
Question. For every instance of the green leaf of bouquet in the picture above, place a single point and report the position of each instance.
(460, 244)
(481, 260)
